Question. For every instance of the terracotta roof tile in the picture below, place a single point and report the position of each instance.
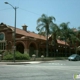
(34, 35)
(61, 42)
(28, 34)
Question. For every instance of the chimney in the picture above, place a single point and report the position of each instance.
(24, 27)
(2, 23)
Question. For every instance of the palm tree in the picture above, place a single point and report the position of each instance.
(65, 32)
(55, 32)
(75, 39)
(71, 38)
(74, 42)
(43, 24)
(78, 33)
(42, 33)
(69, 35)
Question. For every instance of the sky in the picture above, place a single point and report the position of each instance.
(28, 11)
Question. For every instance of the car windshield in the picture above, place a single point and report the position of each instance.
(74, 55)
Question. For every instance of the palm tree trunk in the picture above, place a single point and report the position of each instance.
(65, 48)
(47, 45)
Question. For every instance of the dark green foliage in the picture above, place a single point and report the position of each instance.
(18, 56)
(8, 57)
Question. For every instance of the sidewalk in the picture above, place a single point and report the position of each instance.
(32, 61)
(20, 63)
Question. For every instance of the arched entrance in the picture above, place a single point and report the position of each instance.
(9, 46)
(20, 47)
(32, 49)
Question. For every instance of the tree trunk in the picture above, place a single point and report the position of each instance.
(47, 45)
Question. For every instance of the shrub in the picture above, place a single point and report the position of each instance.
(25, 56)
(8, 57)
(18, 56)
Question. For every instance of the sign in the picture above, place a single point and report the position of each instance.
(76, 76)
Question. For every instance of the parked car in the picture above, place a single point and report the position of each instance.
(74, 57)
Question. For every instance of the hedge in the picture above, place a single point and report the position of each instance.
(18, 56)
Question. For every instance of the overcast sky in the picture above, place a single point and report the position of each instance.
(30, 10)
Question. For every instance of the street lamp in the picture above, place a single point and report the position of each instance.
(14, 29)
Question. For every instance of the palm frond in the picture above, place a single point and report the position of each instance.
(40, 25)
(51, 18)
(45, 22)
(64, 26)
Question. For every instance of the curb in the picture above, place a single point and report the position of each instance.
(19, 63)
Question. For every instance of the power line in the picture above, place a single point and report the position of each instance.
(29, 11)
(5, 9)
(32, 13)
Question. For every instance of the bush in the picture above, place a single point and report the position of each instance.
(8, 57)
(18, 56)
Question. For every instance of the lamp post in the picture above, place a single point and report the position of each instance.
(14, 29)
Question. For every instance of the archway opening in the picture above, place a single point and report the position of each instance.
(32, 49)
(20, 48)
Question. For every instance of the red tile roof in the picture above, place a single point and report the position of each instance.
(28, 34)
(61, 42)
(34, 35)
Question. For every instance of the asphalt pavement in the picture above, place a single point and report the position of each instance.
(40, 70)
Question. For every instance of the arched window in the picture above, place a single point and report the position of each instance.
(2, 36)
(2, 41)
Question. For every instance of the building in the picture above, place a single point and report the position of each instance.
(28, 42)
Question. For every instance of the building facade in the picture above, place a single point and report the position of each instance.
(28, 42)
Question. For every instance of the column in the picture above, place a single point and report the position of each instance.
(26, 51)
(36, 52)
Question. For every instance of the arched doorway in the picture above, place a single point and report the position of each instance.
(9, 46)
(32, 48)
(20, 47)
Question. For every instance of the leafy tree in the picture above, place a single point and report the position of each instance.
(44, 23)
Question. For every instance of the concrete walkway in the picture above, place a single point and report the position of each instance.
(19, 63)
(38, 60)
